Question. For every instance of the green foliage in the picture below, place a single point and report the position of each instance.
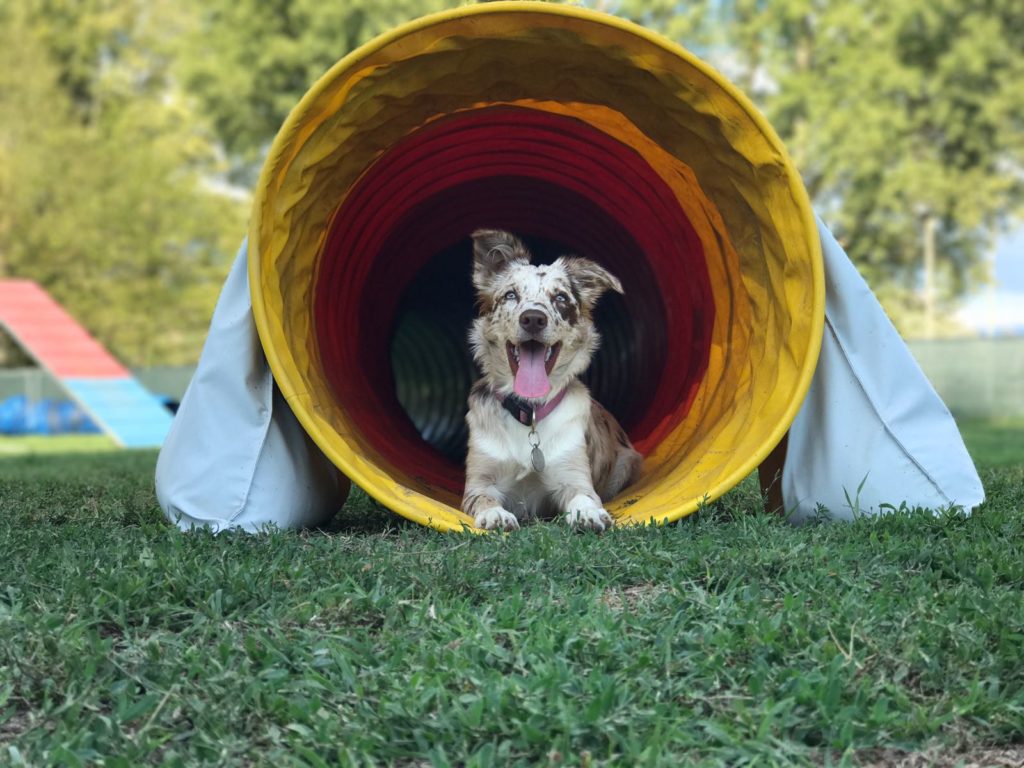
(105, 174)
(895, 113)
(250, 61)
(120, 119)
(684, 22)
(727, 639)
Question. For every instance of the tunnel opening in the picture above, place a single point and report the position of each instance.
(397, 265)
(433, 368)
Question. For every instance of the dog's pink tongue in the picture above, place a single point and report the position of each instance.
(532, 378)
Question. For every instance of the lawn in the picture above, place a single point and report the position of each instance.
(728, 639)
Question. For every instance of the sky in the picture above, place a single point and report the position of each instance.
(999, 308)
(1009, 256)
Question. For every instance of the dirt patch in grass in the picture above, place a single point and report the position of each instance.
(14, 727)
(630, 598)
(979, 757)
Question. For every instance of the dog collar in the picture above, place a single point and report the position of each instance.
(524, 412)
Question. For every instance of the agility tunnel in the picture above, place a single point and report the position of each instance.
(583, 134)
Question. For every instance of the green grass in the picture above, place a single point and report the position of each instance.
(995, 443)
(48, 445)
(728, 639)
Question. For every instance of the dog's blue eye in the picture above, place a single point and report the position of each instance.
(561, 298)
(511, 296)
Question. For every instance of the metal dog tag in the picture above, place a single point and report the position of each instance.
(537, 458)
(536, 455)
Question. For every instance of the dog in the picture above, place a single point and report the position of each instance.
(539, 445)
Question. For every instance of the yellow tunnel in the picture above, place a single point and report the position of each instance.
(581, 133)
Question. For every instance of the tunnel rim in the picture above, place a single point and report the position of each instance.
(290, 380)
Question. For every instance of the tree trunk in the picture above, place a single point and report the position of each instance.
(931, 224)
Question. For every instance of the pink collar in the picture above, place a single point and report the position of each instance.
(524, 412)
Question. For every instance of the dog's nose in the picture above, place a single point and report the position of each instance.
(533, 321)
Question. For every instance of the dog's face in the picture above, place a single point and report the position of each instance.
(535, 330)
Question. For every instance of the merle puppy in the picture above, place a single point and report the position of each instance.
(538, 444)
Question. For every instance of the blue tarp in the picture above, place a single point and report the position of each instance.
(21, 416)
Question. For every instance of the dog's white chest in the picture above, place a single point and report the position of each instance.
(558, 436)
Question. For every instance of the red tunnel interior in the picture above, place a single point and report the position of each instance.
(393, 299)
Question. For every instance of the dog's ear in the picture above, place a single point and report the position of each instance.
(589, 279)
(493, 252)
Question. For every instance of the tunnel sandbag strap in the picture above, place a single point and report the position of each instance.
(235, 456)
(872, 430)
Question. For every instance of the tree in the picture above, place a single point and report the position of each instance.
(250, 61)
(904, 119)
(105, 194)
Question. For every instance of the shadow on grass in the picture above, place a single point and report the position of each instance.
(363, 515)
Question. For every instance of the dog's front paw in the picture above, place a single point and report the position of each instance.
(496, 519)
(584, 514)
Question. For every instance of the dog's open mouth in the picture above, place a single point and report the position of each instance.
(531, 363)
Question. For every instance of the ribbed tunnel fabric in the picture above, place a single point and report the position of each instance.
(529, 172)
